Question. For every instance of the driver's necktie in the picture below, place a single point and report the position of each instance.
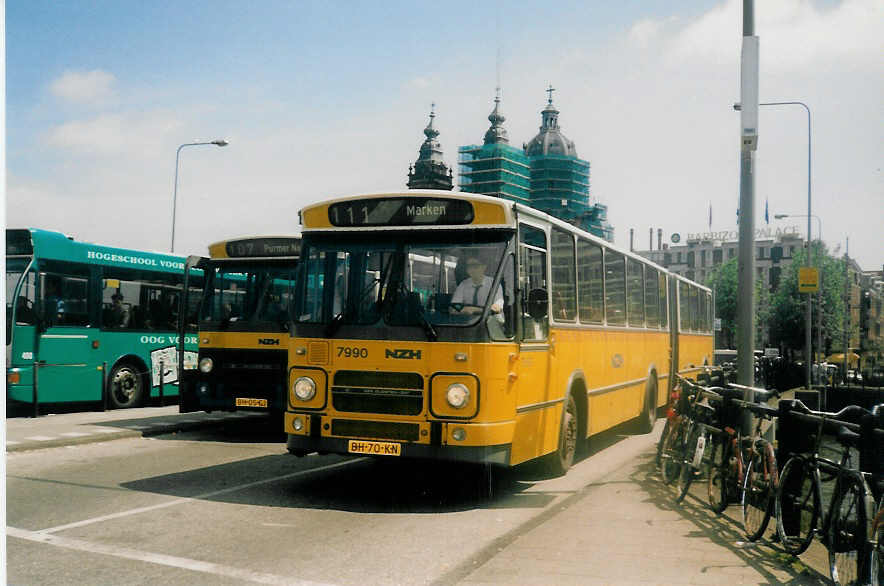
(476, 294)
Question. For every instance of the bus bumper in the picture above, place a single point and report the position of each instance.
(490, 443)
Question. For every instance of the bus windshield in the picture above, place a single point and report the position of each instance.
(424, 282)
(247, 296)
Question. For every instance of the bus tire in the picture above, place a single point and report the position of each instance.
(125, 386)
(649, 413)
(559, 461)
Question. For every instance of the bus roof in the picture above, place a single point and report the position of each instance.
(409, 209)
(47, 244)
(257, 247)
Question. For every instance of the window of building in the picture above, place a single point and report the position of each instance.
(716, 256)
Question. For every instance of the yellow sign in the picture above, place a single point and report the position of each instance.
(808, 280)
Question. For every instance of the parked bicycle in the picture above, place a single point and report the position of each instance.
(844, 528)
(761, 479)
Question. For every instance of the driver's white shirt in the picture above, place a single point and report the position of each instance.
(465, 291)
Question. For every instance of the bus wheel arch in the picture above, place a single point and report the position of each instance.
(572, 422)
(127, 383)
(648, 416)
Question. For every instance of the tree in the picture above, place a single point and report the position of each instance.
(723, 283)
(788, 307)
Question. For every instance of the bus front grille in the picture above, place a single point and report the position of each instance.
(383, 430)
(389, 393)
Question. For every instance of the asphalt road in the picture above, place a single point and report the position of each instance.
(227, 505)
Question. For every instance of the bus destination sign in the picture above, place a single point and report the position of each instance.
(263, 247)
(400, 211)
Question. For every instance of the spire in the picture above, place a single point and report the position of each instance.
(550, 114)
(497, 133)
(430, 171)
(550, 140)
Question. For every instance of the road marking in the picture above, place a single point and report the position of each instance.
(156, 558)
(74, 434)
(12, 443)
(203, 496)
(106, 430)
(40, 438)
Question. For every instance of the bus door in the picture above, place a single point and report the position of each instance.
(536, 417)
(21, 328)
(67, 344)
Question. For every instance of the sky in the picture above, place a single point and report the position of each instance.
(326, 99)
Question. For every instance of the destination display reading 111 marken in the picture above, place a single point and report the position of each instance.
(400, 211)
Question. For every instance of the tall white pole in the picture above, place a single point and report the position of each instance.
(746, 245)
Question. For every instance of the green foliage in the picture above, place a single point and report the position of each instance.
(788, 309)
(783, 310)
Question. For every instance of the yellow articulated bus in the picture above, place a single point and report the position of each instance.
(463, 327)
(244, 326)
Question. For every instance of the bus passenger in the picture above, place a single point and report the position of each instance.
(119, 313)
(472, 292)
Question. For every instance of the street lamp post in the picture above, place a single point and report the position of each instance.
(219, 142)
(819, 293)
(808, 324)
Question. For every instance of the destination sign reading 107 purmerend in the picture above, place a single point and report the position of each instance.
(400, 211)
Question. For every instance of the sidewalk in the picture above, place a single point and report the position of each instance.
(626, 529)
(28, 433)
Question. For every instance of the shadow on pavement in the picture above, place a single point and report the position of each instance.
(356, 484)
(763, 555)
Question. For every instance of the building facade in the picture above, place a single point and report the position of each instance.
(700, 255)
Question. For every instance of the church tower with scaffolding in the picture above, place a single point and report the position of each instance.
(545, 174)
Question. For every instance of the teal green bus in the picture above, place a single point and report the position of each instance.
(89, 323)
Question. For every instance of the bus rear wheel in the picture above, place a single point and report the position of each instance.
(558, 462)
(649, 413)
(126, 386)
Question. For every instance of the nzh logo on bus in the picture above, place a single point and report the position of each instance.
(402, 354)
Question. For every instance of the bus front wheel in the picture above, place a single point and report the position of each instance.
(558, 462)
(126, 386)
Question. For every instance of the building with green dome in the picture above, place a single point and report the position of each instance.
(545, 174)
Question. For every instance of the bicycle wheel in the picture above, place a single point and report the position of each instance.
(797, 505)
(670, 467)
(662, 443)
(847, 533)
(692, 454)
(716, 474)
(877, 561)
(759, 489)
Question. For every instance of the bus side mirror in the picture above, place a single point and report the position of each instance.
(538, 302)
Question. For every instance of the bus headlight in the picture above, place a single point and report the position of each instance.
(206, 365)
(304, 388)
(457, 395)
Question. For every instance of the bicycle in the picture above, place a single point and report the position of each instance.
(686, 453)
(761, 479)
(672, 439)
(844, 527)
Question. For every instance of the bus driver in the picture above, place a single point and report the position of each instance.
(473, 291)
